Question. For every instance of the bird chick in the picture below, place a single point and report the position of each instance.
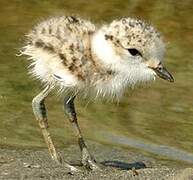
(73, 54)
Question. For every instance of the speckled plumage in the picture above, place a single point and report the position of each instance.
(71, 53)
(67, 52)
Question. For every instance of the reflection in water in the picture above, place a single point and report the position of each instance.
(162, 150)
(161, 113)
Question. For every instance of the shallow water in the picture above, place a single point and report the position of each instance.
(161, 113)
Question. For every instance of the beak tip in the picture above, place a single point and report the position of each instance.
(163, 73)
(171, 80)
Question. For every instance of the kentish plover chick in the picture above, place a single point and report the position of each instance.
(73, 54)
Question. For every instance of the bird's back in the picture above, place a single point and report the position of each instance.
(60, 29)
(59, 49)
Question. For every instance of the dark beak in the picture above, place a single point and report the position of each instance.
(163, 73)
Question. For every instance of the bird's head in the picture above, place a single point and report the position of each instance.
(132, 48)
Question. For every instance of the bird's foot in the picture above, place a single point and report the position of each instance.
(88, 161)
(72, 170)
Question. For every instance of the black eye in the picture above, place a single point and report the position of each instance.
(134, 52)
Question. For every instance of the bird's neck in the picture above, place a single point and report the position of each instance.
(101, 49)
(109, 82)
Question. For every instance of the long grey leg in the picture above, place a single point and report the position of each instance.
(87, 159)
(39, 110)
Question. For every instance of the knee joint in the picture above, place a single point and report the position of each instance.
(39, 108)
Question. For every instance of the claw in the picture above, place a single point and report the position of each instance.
(73, 170)
(88, 161)
(93, 166)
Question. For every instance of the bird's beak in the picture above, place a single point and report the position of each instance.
(163, 73)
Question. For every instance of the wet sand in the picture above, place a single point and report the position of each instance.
(116, 163)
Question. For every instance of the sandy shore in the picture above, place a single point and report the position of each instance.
(116, 163)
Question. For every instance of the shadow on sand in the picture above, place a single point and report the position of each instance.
(116, 164)
(123, 165)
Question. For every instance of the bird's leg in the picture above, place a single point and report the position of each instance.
(39, 110)
(87, 160)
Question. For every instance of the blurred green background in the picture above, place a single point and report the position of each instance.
(161, 113)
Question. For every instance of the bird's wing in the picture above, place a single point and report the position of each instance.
(65, 37)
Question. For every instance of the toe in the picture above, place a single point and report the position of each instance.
(73, 170)
(91, 165)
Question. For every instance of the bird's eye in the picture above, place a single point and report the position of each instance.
(134, 52)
